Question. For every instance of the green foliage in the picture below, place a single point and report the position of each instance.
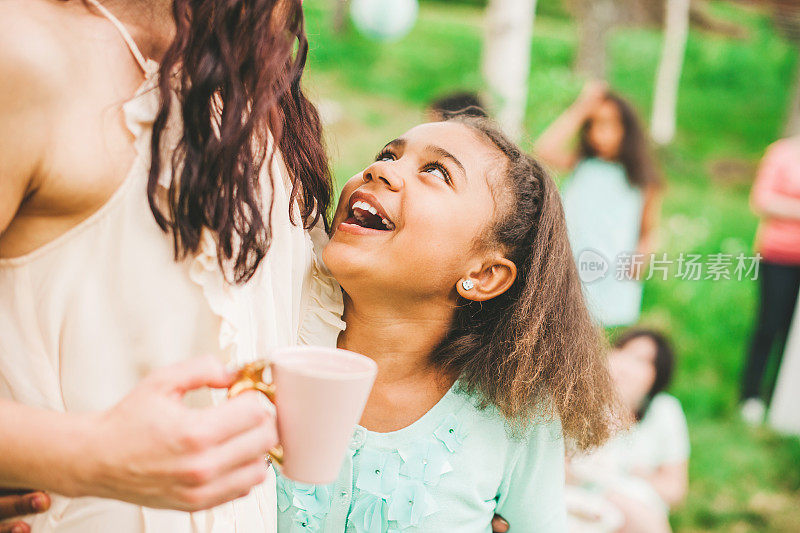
(732, 99)
(546, 8)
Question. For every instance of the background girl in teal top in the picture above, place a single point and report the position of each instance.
(611, 199)
(459, 281)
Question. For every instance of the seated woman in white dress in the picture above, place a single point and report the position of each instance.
(630, 483)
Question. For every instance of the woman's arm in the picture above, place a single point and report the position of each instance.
(775, 205)
(553, 146)
(671, 481)
(651, 215)
(150, 449)
(639, 518)
(765, 200)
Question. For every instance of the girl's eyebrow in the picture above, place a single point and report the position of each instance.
(441, 152)
(397, 144)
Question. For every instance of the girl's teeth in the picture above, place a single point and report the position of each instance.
(364, 206)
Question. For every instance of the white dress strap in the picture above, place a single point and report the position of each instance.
(126, 36)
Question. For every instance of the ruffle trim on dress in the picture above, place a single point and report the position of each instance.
(204, 269)
(321, 319)
(394, 486)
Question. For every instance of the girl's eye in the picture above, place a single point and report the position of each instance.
(385, 156)
(439, 172)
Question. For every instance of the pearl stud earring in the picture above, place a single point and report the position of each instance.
(467, 284)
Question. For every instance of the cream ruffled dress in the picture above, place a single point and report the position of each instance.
(88, 315)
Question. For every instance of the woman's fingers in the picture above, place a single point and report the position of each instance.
(14, 505)
(249, 447)
(21, 504)
(15, 527)
(235, 416)
(192, 374)
(234, 485)
(499, 525)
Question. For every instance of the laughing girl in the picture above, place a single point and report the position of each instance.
(458, 280)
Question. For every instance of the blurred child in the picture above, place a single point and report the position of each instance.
(457, 103)
(776, 199)
(611, 198)
(629, 484)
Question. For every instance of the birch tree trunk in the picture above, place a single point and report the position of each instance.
(793, 121)
(507, 59)
(596, 18)
(340, 16)
(665, 101)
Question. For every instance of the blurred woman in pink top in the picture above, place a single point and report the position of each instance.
(775, 199)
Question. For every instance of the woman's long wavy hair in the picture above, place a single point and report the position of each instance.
(634, 152)
(535, 345)
(232, 75)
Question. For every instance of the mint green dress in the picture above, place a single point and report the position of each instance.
(450, 471)
(604, 215)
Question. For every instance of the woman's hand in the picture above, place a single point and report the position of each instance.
(592, 95)
(150, 449)
(15, 503)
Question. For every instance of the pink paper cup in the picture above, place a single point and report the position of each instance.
(319, 394)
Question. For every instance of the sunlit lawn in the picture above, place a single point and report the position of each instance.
(733, 95)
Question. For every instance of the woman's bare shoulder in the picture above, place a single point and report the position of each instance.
(33, 85)
(34, 51)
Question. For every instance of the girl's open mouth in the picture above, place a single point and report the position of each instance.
(365, 211)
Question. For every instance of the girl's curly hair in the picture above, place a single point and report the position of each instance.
(535, 345)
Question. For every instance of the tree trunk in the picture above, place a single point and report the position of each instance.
(665, 101)
(596, 18)
(507, 59)
(793, 121)
(340, 16)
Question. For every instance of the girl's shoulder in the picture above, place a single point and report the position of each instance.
(543, 428)
(665, 405)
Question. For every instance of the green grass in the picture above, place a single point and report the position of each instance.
(732, 98)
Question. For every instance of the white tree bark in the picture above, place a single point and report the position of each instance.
(793, 120)
(507, 59)
(665, 101)
(596, 19)
(340, 15)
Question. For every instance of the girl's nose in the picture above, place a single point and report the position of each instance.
(385, 172)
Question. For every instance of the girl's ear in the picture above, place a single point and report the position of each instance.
(494, 278)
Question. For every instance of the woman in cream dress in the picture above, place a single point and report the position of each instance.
(94, 295)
